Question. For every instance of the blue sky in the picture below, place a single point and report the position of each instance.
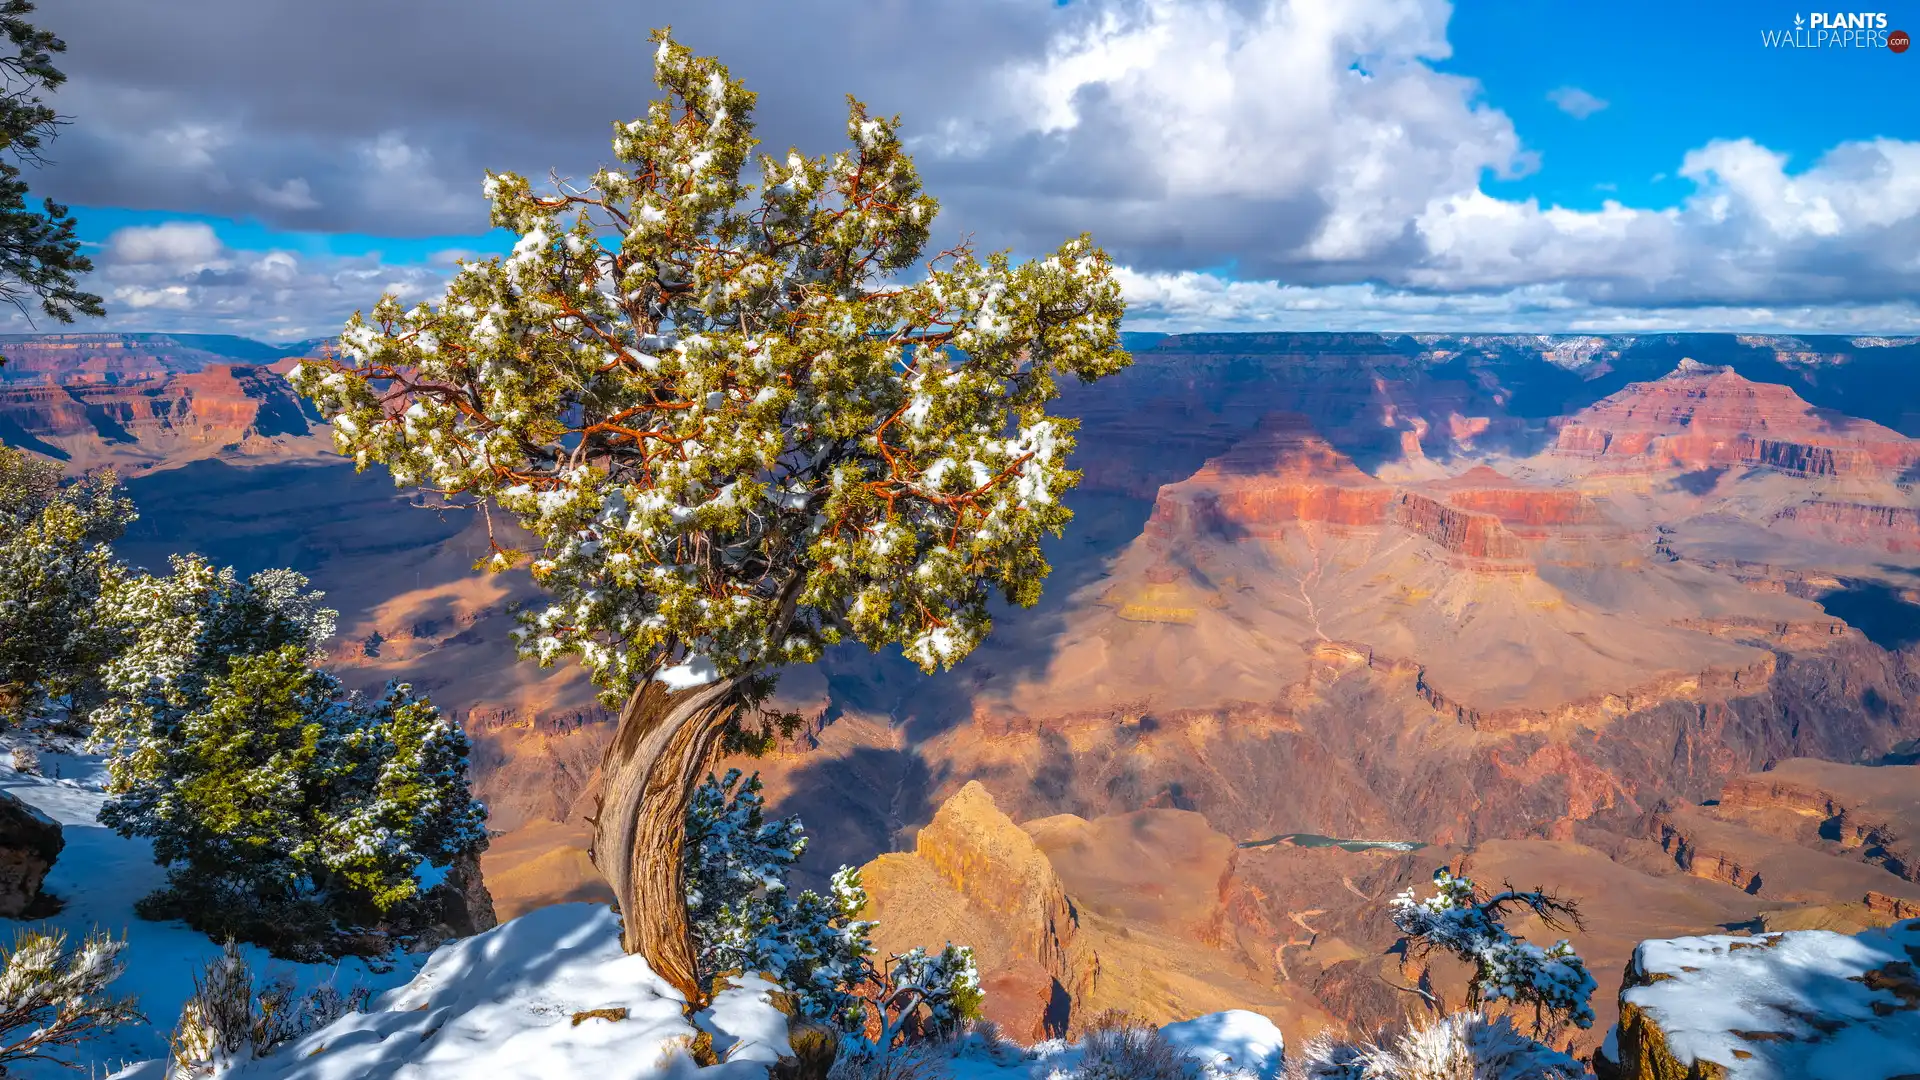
(1295, 164)
(1673, 75)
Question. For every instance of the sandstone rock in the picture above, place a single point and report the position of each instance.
(976, 878)
(1700, 416)
(464, 905)
(29, 843)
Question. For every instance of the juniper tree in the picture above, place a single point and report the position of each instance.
(740, 428)
(56, 561)
(282, 804)
(39, 253)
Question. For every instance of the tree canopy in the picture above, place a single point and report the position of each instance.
(740, 431)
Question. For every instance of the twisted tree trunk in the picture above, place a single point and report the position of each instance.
(658, 757)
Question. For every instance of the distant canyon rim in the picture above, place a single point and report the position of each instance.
(1635, 618)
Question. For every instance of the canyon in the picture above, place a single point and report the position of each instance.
(1633, 618)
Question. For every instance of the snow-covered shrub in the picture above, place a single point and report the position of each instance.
(228, 1020)
(917, 1001)
(745, 918)
(1117, 1047)
(56, 561)
(1456, 919)
(1464, 1046)
(54, 997)
(25, 760)
(284, 806)
(917, 1061)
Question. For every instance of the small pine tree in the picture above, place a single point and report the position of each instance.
(56, 562)
(1458, 920)
(230, 1020)
(285, 806)
(746, 919)
(51, 996)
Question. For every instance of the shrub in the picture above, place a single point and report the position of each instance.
(286, 808)
(52, 997)
(1456, 919)
(745, 918)
(56, 562)
(1464, 1046)
(1118, 1047)
(228, 1020)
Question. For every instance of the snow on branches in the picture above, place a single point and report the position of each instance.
(282, 803)
(737, 428)
(1456, 919)
(746, 920)
(52, 996)
(56, 561)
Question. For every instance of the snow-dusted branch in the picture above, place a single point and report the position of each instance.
(1456, 919)
(52, 997)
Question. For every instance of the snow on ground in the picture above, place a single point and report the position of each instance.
(99, 875)
(1800, 1005)
(514, 1003)
(507, 1004)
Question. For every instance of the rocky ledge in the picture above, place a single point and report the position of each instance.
(1806, 1005)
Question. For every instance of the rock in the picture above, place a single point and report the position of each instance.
(30, 841)
(461, 901)
(976, 878)
(1807, 1004)
(1702, 416)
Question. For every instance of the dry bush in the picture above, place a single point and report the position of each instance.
(1119, 1047)
(25, 760)
(228, 1020)
(1464, 1046)
(913, 1061)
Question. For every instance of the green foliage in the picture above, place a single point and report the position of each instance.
(739, 430)
(56, 561)
(285, 807)
(39, 253)
(744, 917)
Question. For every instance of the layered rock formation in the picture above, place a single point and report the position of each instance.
(62, 359)
(162, 420)
(1806, 830)
(1156, 942)
(1701, 416)
(974, 877)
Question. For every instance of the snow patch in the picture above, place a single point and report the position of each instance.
(1801, 1005)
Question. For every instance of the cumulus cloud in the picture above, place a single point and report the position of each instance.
(1307, 156)
(180, 276)
(1576, 102)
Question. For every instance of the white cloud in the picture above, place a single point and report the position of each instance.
(294, 194)
(1576, 102)
(1310, 145)
(177, 243)
(180, 276)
